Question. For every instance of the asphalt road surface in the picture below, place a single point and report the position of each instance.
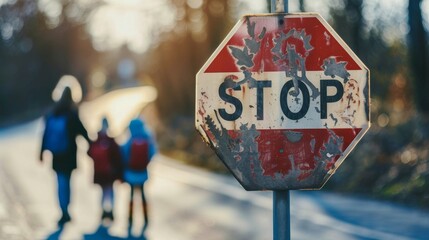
(184, 203)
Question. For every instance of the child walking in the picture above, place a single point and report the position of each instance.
(137, 153)
(107, 167)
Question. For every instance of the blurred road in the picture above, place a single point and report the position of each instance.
(119, 106)
(185, 204)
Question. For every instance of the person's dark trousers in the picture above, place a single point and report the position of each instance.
(144, 206)
(64, 192)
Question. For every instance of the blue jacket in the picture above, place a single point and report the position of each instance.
(138, 131)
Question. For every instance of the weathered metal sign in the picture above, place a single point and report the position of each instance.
(282, 101)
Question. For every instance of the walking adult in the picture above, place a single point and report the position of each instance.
(62, 126)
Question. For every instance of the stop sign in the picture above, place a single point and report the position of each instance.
(282, 101)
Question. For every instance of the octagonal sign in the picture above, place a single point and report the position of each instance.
(282, 101)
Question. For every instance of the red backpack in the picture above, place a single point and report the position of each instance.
(139, 156)
(99, 152)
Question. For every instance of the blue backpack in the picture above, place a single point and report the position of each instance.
(56, 136)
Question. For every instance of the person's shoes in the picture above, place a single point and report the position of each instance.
(144, 227)
(103, 216)
(64, 219)
(110, 216)
(107, 217)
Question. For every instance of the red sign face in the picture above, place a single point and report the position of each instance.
(282, 101)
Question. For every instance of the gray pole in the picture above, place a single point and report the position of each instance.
(276, 6)
(281, 199)
(281, 215)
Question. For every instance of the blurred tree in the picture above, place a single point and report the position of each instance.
(302, 5)
(384, 59)
(419, 55)
(366, 167)
(38, 44)
(300, 2)
(392, 160)
(176, 59)
(349, 23)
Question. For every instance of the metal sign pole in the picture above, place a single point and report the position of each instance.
(276, 6)
(281, 215)
(281, 199)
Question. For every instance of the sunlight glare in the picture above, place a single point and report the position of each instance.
(119, 106)
(98, 79)
(129, 22)
(71, 82)
(195, 4)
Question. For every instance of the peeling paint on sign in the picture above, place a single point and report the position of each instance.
(282, 101)
(333, 68)
(291, 61)
(293, 136)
